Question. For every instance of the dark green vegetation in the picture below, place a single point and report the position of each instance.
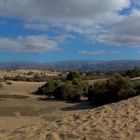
(115, 88)
(34, 78)
(49, 88)
(135, 72)
(73, 88)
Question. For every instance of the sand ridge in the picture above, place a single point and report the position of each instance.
(118, 121)
(36, 118)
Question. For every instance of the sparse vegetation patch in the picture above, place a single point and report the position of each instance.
(113, 89)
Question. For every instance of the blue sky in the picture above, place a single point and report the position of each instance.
(46, 31)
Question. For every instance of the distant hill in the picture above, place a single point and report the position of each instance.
(92, 65)
(18, 65)
(86, 65)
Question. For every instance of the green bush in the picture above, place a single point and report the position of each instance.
(68, 91)
(96, 91)
(64, 91)
(48, 88)
(81, 84)
(19, 78)
(72, 89)
(137, 87)
(114, 89)
(73, 75)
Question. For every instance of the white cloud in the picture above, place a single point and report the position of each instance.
(37, 44)
(83, 52)
(125, 32)
(99, 52)
(36, 26)
(97, 20)
(62, 9)
(72, 15)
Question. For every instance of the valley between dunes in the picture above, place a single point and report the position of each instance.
(32, 117)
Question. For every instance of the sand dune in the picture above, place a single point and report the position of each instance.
(38, 119)
(118, 121)
(20, 88)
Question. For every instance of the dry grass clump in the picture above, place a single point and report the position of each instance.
(9, 83)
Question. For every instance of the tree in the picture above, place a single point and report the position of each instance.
(73, 75)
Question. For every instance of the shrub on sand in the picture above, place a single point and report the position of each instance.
(114, 89)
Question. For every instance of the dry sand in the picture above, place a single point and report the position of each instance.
(40, 119)
(20, 88)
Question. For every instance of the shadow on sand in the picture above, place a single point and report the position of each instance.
(70, 105)
(48, 99)
(73, 105)
(82, 105)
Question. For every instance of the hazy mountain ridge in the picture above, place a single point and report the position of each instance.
(82, 65)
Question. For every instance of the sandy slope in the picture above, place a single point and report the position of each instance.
(30, 119)
(20, 88)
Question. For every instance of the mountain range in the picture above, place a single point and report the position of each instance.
(82, 65)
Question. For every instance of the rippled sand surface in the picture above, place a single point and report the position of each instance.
(39, 119)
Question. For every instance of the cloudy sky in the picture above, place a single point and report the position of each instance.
(55, 30)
